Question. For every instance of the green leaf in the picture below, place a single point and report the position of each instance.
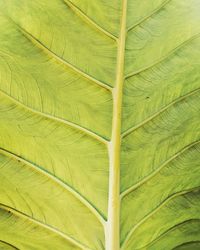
(99, 124)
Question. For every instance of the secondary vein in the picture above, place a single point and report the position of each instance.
(89, 20)
(48, 227)
(57, 181)
(57, 119)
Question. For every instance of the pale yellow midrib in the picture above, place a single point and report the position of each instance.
(112, 226)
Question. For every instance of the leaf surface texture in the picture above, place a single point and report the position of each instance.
(99, 99)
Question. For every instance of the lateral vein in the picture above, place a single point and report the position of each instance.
(150, 15)
(62, 121)
(89, 20)
(9, 244)
(59, 182)
(173, 196)
(164, 57)
(147, 178)
(48, 227)
(40, 45)
(196, 220)
(132, 129)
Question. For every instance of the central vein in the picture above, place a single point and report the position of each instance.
(113, 227)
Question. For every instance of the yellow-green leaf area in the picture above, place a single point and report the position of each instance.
(99, 125)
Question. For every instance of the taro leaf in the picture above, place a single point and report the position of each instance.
(99, 124)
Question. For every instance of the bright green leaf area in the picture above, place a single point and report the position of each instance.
(99, 124)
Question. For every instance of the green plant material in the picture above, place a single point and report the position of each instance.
(99, 124)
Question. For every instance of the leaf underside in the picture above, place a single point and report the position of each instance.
(59, 72)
